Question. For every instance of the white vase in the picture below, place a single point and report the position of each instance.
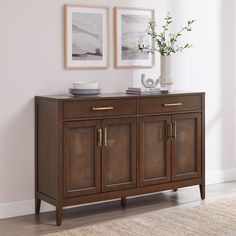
(166, 79)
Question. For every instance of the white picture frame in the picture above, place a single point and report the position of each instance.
(130, 30)
(86, 37)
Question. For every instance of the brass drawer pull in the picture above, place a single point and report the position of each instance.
(102, 108)
(173, 104)
(105, 136)
(99, 137)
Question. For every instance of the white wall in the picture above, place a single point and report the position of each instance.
(31, 63)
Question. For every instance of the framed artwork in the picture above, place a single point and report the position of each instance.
(86, 37)
(130, 30)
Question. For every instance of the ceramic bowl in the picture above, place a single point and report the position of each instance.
(85, 85)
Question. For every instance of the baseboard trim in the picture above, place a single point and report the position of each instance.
(21, 208)
(215, 177)
(26, 207)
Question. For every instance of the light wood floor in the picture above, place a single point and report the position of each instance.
(101, 212)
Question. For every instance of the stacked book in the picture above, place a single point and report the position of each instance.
(140, 91)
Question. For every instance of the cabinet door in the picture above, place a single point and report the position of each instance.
(155, 144)
(81, 158)
(119, 154)
(186, 146)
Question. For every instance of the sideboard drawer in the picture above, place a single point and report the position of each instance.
(170, 104)
(80, 109)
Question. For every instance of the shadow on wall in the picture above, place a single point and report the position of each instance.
(228, 105)
(18, 160)
(227, 117)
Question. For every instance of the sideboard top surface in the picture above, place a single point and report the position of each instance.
(67, 97)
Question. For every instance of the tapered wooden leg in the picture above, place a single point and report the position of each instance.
(175, 189)
(59, 215)
(37, 205)
(123, 202)
(202, 191)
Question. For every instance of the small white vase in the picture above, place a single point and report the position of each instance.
(166, 79)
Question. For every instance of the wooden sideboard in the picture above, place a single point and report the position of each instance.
(93, 148)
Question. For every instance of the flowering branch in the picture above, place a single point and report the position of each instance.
(165, 43)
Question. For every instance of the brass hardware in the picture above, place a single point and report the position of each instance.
(174, 130)
(173, 104)
(102, 108)
(99, 137)
(105, 136)
(169, 130)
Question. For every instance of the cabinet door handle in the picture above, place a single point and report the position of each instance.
(105, 136)
(102, 108)
(172, 104)
(174, 130)
(169, 130)
(99, 137)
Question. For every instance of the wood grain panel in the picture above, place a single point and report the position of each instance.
(131, 192)
(47, 147)
(119, 156)
(118, 164)
(78, 109)
(81, 158)
(186, 148)
(185, 103)
(154, 150)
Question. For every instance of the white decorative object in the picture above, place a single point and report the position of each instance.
(84, 91)
(166, 44)
(166, 79)
(85, 85)
(149, 83)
